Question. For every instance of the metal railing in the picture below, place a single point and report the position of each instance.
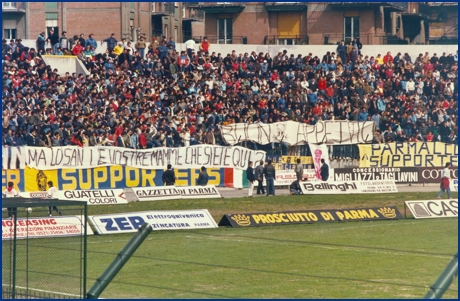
(286, 40)
(369, 39)
(218, 40)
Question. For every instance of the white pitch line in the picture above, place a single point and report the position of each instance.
(44, 291)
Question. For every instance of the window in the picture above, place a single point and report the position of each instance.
(51, 16)
(131, 15)
(8, 5)
(131, 5)
(351, 28)
(224, 31)
(183, 11)
(51, 5)
(175, 33)
(153, 7)
(9, 33)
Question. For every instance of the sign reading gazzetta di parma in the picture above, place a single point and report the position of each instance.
(93, 197)
(44, 227)
(347, 187)
(174, 193)
(309, 216)
(159, 220)
(433, 208)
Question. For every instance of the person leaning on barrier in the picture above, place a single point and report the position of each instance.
(168, 177)
(202, 177)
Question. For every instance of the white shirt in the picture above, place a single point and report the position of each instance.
(446, 173)
(190, 44)
(52, 192)
(10, 194)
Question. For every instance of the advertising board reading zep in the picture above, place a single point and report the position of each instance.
(159, 220)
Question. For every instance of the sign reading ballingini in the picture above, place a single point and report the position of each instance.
(309, 216)
(348, 187)
(433, 208)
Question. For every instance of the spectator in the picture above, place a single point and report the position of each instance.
(251, 178)
(202, 177)
(259, 175)
(324, 170)
(294, 188)
(111, 42)
(168, 177)
(270, 175)
(445, 181)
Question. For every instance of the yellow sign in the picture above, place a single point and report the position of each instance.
(408, 154)
(293, 159)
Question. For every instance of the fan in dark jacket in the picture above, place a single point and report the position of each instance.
(203, 177)
(168, 177)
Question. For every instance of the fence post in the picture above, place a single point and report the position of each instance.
(444, 280)
(119, 261)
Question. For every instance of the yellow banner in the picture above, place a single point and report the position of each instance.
(408, 154)
(37, 180)
(293, 159)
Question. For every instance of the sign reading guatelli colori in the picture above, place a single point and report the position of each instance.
(309, 216)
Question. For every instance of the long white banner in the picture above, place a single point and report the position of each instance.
(175, 193)
(433, 208)
(45, 158)
(44, 227)
(159, 220)
(296, 133)
(348, 187)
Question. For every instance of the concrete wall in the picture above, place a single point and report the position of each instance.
(319, 50)
(65, 64)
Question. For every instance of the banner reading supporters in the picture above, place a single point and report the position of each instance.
(159, 220)
(433, 208)
(309, 216)
(296, 133)
(408, 154)
(45, 158)
(348, 187)
(175, 193)
(44, 227)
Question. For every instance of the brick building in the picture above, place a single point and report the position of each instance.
(126, 19)
(327, 23)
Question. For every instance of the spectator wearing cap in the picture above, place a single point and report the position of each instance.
(111, 43)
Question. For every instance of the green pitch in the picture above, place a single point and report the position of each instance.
(378, 259)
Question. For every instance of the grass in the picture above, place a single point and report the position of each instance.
(375, 259)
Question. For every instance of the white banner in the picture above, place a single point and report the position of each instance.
(318, 152)
(45, 158)
(44, 227)
(175, 193)
(348, 187)
(433, 208)
(159, 220)
(296, 133)
(92, 197)
(287, 176)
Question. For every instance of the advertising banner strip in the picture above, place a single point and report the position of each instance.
(92, 197)
(408, 154)
(309, 216)
(175, 193)
(348, 187)
(286, 177)
(159, 220)
(296, 133)
(433, 208)
(61, 226)
(45, 158)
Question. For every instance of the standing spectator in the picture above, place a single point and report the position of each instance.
(111, 42)
(190, 47)
(168, 177)
(324, 170)
(52, 194)
(204, 45)
(445, 181)
(342, 52)
(299, 170)
(63, 41)
(10, 192)
(171, 43)
(270, 175)
(91, 42)
(202, 177)
(251, 179)
(140, 46)
(259, 175)
(53, 39)
(41, 41)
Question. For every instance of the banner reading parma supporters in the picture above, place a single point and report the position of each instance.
(159, 220)
(44, 227)
(296, 133)
(109, 177)
(408, 154)
(45, 158)
(348, 187)
(175, 193)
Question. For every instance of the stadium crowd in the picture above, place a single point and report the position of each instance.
(143, 95)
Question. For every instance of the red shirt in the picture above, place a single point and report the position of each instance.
(142, 140)
(322, 84)
(205, 46)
